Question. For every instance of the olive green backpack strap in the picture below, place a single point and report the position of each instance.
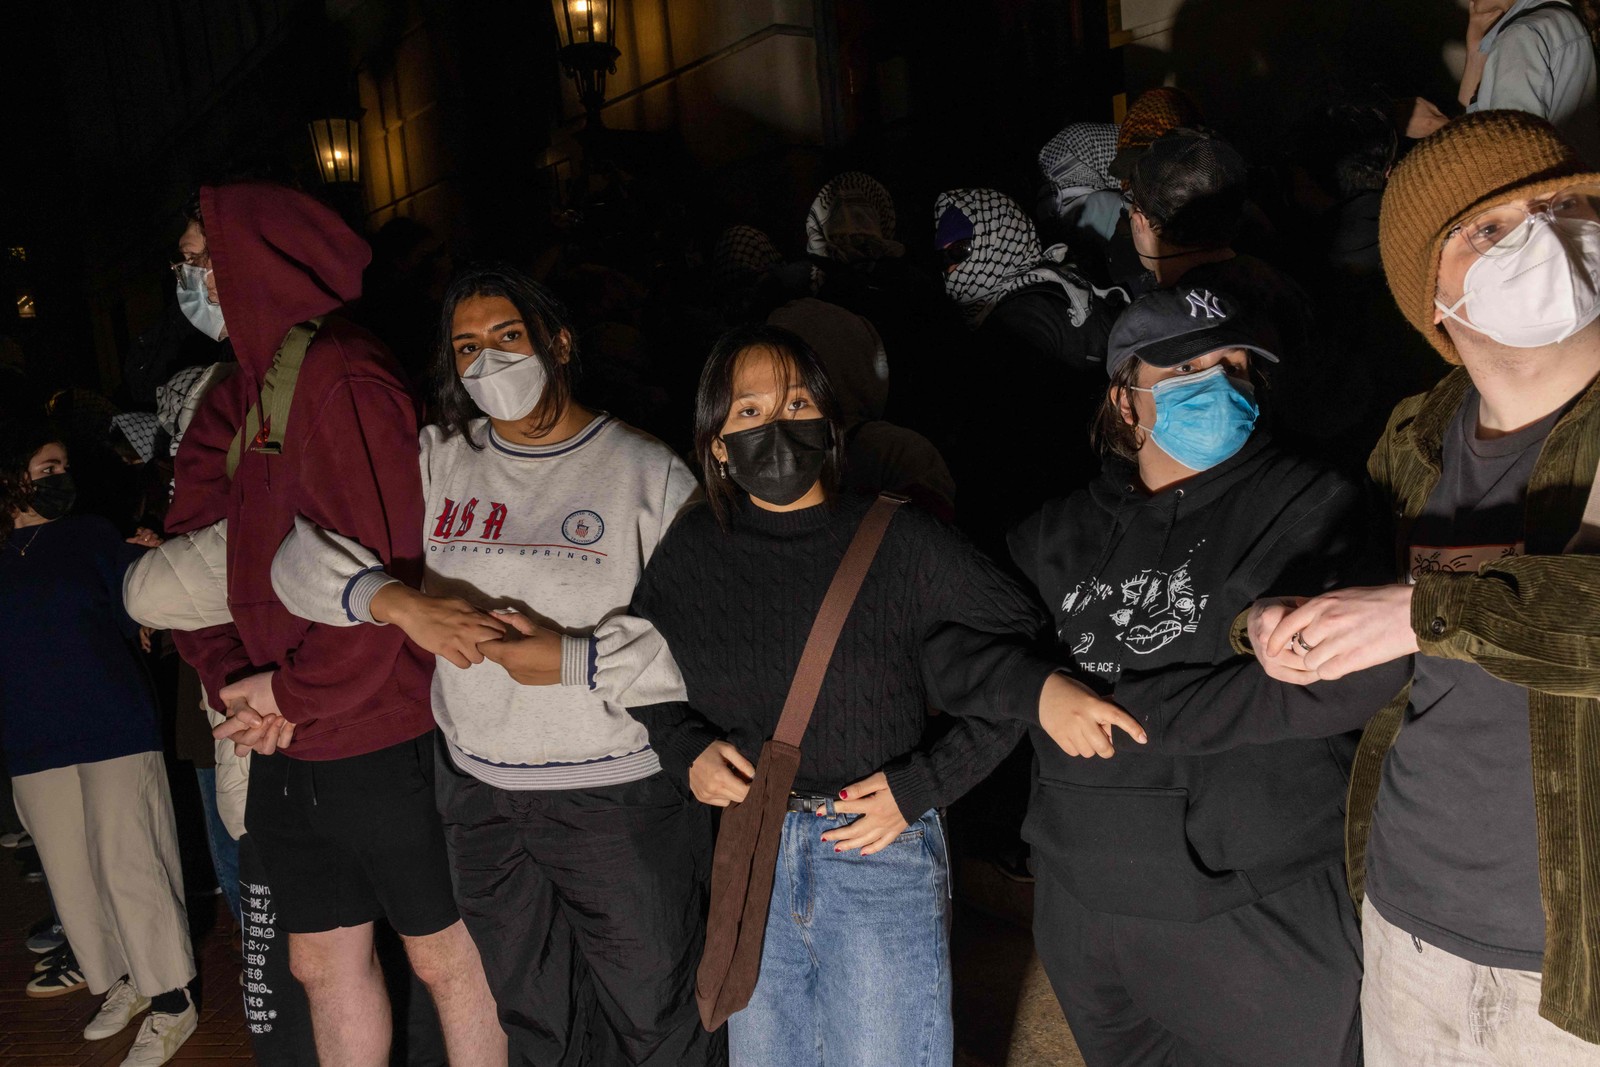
(267, 421)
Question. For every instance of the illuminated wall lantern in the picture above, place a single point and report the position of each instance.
(337, 143)
(25, 306)
(586, 29)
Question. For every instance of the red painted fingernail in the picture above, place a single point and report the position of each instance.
(839, 849)
(844, 794)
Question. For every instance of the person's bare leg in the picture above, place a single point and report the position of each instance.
(449, 965)
(349, 1004)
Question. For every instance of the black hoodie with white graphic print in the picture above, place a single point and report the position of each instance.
(1240, 789)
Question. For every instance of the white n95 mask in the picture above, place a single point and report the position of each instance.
(1541, 294)
(506, 385)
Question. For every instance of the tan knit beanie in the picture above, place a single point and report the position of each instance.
(1154, 112)
(1472, 163)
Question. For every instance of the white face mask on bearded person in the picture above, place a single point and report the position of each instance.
(505, 385)
(1543, 291)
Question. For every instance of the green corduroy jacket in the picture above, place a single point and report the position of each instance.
(1533, 620)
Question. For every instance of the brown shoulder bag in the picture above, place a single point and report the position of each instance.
(746, 857)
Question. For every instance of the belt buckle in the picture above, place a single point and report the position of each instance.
(810, 803)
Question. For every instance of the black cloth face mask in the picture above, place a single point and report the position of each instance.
(54, 496)
(779, 461)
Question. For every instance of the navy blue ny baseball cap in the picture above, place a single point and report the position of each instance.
(1171, 326)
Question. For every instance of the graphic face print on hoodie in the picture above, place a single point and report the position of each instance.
(1138, 582)
(1110, 619)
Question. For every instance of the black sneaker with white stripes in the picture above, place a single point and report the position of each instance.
(59, 981)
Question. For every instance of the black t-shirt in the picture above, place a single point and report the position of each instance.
(1454, 857)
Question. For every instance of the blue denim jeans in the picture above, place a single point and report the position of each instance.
(855, 970)
(224, 849)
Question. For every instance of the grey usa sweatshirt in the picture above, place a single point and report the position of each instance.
(560, 533)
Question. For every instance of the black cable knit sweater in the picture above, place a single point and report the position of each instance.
(936, 623)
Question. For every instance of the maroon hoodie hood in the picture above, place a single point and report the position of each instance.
(293, 256)
(348, 463)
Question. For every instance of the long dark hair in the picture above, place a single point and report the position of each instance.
(797, 363)
(1109, 432)
(544, 317)
(20, 440)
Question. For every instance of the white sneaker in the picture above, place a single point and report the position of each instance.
(160, 1037)
(123, 1002)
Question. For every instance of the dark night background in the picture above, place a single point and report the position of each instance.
(473, 145)
(720, 112)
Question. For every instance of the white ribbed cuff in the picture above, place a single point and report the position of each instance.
(360, 590)
(577, 661)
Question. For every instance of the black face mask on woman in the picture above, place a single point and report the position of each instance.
(54, 496)
(779, 461)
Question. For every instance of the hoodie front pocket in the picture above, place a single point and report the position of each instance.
(1124, 851)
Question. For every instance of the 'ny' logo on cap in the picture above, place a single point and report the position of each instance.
(1203, 300)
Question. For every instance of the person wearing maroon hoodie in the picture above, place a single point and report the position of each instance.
(341, 789)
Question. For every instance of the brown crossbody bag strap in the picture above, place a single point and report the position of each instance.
(747, 842)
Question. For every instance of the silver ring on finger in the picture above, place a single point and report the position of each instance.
(1299, 639)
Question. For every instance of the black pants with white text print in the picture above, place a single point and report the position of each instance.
(276, 1014)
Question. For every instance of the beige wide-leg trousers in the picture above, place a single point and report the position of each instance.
(1424, 1007)
(109, 847)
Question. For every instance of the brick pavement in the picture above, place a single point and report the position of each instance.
(49, 1033)
(1005, 1012)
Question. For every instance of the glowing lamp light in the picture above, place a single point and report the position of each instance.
(585, 21)
(337, 146)
(587, 31)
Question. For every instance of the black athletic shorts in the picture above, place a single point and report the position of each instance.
(349, 841)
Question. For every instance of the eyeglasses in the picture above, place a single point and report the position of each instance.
(1504, 229)
(956, 252)
(191, 271)
(188, 279)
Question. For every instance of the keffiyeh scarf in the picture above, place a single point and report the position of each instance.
(1006, 256)
(852, 219)
(1075, 160)
(139, 429)
(179, 398)
(742, 252)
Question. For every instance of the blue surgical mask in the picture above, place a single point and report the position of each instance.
(1202, 419)
(196, 305)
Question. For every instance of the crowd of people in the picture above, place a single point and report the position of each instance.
(1260, 498)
